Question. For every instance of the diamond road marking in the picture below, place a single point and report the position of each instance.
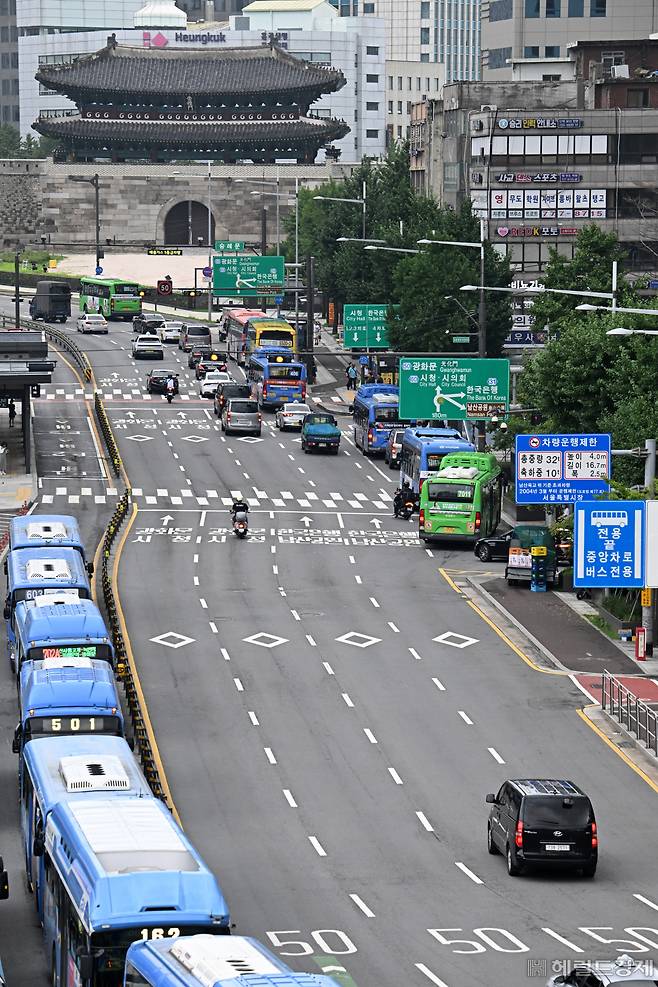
(278, 503)
(47, 499)
(193, 438)
(358, 640)
(360, 496)
(335, 496)
(250, 438)
(172, 640)
(263, 640)
(139, 438)
(286, 495)
(455, 640)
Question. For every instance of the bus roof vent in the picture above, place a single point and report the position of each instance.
(459, 472)
(56, 599)
(45, 530)
(213, 959)
(48, 569)
(60, 662)
(82, 773)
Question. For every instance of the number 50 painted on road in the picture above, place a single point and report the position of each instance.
(306, 949)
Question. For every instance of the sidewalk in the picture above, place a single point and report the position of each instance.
(17, 487)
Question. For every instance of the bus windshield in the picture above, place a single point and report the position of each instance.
(126, 289)
(450, 493)
(390, 414)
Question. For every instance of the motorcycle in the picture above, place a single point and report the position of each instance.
(170, 395)
(403, 505)
(240, 524)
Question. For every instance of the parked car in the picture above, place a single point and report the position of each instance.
(543, 821)
(170, 332)
(226, 392)
(156, 381)
(240, 415)
(92, 322)
(147, 345)
(393, 448)
(214, 360)
(291, 415)
(212, 380)
(148, 322)
(495, 548)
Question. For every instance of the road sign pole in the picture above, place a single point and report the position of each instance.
(482, 328)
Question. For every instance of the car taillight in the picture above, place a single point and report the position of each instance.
(228, 416)
(518, 836)
(421, 517)
(370, 435)
(260, 418)
(303, 392)
(478, 520)
(420, 486)
(264, 390)
(595, 838)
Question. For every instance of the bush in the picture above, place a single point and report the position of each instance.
(624, 605)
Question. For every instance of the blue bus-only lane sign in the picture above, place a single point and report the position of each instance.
(609, 544)
(561, 469)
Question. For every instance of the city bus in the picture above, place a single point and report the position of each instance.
(278, 378)
(462, 501)
(62, 627)
(211, 961)
(375, 412)
(47, 531)
(57, 769)
(119, 870)
(248, 329)
(112, 297)
(59, 696)
(423, 450)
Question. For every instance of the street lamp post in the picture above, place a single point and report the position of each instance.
(17, 287)
(210, 245)
(279, 195)
(95, 182)
(363, 202)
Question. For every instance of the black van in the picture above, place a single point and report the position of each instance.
(52, 301)
(543, 821)
(193, 334)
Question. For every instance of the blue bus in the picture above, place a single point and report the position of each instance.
(34, 572)
(422, 452)
(212, 961)
(59, 626)
(59, 696)
(47, 531)
(375, 413)
(119, 870)
(278, 377)
(58, 769)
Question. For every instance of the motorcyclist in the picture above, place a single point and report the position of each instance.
(171, 385)
(239, 505)
(402, 495)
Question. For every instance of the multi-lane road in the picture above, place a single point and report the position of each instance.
(329, 710)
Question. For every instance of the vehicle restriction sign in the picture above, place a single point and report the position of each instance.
(561, 469)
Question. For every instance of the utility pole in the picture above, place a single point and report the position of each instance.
(649, 482)
(482, 324)
(17, 287)
(310, 296)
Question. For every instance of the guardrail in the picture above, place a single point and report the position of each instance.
(108, 434)
(67, 344)
(123, 666)
(633, 714)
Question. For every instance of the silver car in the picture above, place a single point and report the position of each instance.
(170, 332)
(241, 415)
(291, 415)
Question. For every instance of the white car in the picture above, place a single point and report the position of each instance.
(291, 415)
(147, 345)
(212, 380)
(92, 322)
(170, 332)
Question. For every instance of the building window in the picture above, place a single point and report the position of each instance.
(368, 8)
(553, 8)
(576, 8)
(609, 58)
(597, 8)
(370, 77)
(424, 35)
(424, 56)
(399, 106)
(372, 134)
(531, 51)
(551, 78)
(390, 82)
(552, 51)
(372, 49)
(399, 82)
(390, 106)
(532, 8)
(399, 133)
(5, 60)
(372, 106)
(497, 58)
(500, 10)
(637, 98)
(424, 10)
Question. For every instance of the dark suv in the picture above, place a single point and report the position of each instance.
(227, 392)
(543, 821)
(148, 322)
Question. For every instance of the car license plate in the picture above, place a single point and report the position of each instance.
(558, 846)
(448, 531)
(322, 444)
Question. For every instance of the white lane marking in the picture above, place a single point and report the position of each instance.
(348, 701)
(358, 580)
(203, 603)
(253, 718)
(496, 756)
(196, 560)
(360, 903)
(374, 602)
(395, 776)
(430, 552)
(317, 846)
(396, 630)
(439, 684)
(238, 685)
(282, 591)
(273, 549)
(202, 519)
(352, 560)
(430, 976)
(196, 580)
(225, 655)
(213, 627)
(289, 798)
(269, 755)
(424, 821)
(370, 735)
(329, 670)
(311, 641)
(646, 901)
(469, 873)
(275, 570)
(465, 717)
(414, 654)
(565, 942)
(341, 523)
(295, 615)
(175, 455)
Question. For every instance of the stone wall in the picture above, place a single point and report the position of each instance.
(20, 199)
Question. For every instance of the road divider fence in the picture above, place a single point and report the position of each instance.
(635, 715)
(123, 665)
(62, 340)
(108, 434)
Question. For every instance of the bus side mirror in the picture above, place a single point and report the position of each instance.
(90, 568)
(4, 881)
(350, 408)
(85, 964)
(6, 613)
(16, 742)
(38, 845)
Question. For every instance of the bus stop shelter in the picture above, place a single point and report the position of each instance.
(24, 366)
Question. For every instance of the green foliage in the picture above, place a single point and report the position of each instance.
(11, 145)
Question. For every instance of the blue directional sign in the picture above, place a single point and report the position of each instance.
(561, 469)
(99, 271)
(609, 544)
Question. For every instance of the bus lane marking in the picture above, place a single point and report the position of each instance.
(317, 846)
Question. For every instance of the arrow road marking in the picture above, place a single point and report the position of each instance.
(377, 523)
(166, 519)
(307, 521)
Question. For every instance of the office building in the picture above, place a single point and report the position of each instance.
(9, 106)
(543, 29)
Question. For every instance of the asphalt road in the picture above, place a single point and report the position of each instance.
(327, 754)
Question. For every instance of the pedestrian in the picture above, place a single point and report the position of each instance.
(351, 377)
(12, 412)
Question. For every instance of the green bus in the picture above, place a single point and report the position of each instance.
(112, 297)
(463, 500)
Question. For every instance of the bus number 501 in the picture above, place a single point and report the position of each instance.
(172, 933)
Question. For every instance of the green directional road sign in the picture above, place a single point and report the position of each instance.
(365, 327)
(454, 388)
(230, 245)
(246, 277)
